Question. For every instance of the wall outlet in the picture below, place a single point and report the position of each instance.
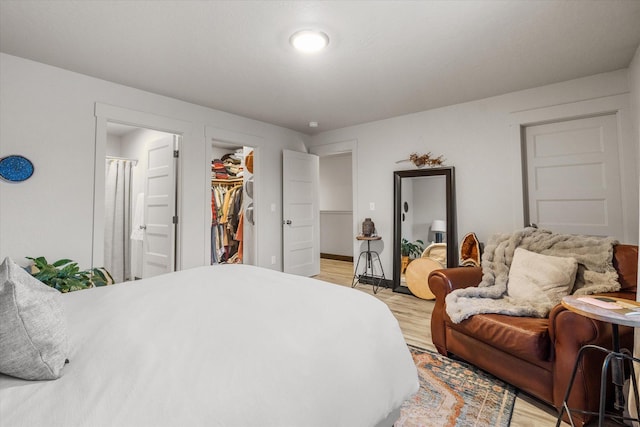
(372, 206)
(273, 259)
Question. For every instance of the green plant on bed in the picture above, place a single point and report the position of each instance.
(65, 275)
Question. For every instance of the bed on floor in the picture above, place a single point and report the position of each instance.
(227, 345)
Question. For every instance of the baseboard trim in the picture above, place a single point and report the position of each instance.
(370, 280)
(336, 257)
(402, 290)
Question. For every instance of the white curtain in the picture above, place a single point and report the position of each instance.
(117, 229)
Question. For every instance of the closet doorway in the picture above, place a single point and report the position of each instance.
(339, 220)
(336, 207)
(233, 207)
(140, 215)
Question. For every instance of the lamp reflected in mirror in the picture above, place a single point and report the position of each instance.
(439, 226)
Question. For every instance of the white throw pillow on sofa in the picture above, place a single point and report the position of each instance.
(33, 330)
(540, 278)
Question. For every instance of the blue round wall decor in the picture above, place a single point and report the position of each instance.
(15, 168)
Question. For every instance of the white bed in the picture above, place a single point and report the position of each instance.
(228, 345)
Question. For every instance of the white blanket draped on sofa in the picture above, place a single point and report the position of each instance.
(595, 272)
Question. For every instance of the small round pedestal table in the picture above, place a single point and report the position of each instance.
(370, 257)
(624, 315)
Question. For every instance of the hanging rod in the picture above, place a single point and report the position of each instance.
(228, 182)
(135, 161)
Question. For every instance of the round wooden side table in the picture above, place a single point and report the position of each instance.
(624, 315)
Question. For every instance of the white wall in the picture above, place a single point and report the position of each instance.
(477, 138)
(114, 146)
(336, 235)
(335, 183)
(429, 204)
(47, 115)
(407, 218)
(634, 85)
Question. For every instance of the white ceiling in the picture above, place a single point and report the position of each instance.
(385, 58)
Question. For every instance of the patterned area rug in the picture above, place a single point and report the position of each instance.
(453, 393)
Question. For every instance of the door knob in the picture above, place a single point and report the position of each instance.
(142, 227)
(288, 222)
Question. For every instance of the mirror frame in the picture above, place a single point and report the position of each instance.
(452, 239)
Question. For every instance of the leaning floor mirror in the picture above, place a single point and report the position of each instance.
(424, 227)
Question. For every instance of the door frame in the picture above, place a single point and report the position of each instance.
(235, 139)
(108, 113)
(350, 146)
(615, 104)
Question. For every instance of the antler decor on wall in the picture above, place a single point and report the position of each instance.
(423, 160)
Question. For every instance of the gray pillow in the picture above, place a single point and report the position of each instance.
(33, 330)
(541, 278)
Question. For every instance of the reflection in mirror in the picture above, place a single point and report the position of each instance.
(428, 228)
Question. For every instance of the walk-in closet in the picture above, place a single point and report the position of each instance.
(232, 213)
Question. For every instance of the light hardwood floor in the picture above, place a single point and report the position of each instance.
(414, 317)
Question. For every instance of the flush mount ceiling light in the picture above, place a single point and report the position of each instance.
(308, 41)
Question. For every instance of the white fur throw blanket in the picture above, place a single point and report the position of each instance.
(595, 274)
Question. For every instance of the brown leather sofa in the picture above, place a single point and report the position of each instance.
(535, 355)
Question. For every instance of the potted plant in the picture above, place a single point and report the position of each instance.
(407, 249)
(65, 275)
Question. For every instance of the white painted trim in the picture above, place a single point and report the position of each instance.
(569, 111)
(237, 139)
(343, 147)
(100, 151)
(109, 113)
(139, 118)
(615, 104)
(335, 148)
(232, 137)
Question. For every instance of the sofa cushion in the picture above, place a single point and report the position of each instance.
(524, 337)
(541, 278)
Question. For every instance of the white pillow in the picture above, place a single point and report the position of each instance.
(33, 330)
(540, 278)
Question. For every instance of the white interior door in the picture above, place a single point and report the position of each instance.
(573, 177)
(301, 213)
(160, 208)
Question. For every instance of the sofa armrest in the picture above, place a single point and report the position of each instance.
(441, 283)
(584, 330)
(571, 331)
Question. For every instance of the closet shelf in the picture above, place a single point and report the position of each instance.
(233, 181)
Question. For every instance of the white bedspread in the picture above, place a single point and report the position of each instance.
(228, 345)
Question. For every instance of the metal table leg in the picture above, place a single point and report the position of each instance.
(369, 269)
(618, 357)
